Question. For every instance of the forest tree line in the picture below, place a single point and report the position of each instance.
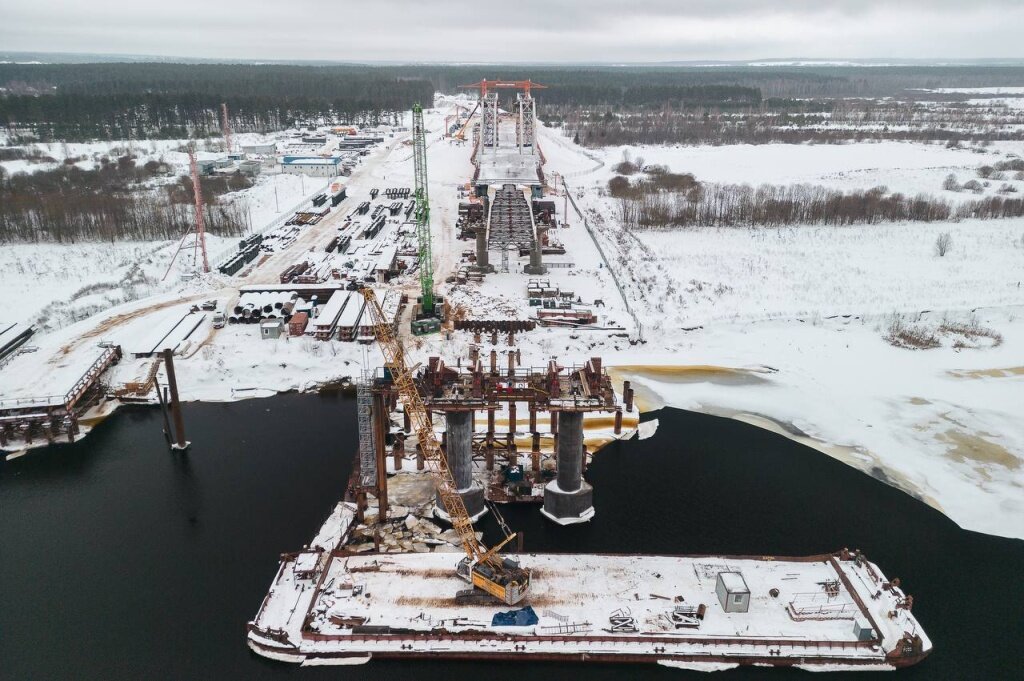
(81, 102)
(668, 200)
(593, 85)
(821, 121)
(111, 203)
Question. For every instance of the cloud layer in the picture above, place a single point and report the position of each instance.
(525, 30)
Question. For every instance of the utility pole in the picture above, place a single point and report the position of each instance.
(225, 125)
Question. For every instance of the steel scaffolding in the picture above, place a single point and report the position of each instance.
(364, 415)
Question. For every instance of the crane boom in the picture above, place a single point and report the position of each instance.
(433, 455)
(461, 134)
(482, 567)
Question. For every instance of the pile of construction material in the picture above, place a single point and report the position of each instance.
(404, 531)
(293, 271)
(307, 218)
(541, 288)
(374, 229)
(248, 249)
(256, 306)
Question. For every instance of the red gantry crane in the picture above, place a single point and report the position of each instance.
(484, 86)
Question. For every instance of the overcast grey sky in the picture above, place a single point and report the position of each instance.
(518, 30)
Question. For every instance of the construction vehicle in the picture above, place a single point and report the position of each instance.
(498, 576)
(461, 134)
(425, 318)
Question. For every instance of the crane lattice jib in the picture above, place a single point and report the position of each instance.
(419, 141)
(394, 360)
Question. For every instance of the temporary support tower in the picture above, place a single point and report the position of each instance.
(367, 454)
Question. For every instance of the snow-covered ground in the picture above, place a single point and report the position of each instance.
(1008, 102)
(53, 285)
(906, 167)
(809, 272)
(990, 90)
(796, 317)
(942, 424)
(785, 328)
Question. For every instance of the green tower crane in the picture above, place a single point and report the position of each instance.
(422, 211)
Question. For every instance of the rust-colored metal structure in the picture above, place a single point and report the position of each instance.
(484, 86)
(48, 417)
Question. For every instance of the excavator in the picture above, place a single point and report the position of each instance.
(498, 576)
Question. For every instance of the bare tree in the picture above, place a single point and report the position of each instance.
(943, 243)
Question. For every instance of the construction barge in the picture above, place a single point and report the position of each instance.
(825, 612)
(383, 580)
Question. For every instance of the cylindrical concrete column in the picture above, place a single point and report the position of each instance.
(481, 249)
(535, 257)
(570, 448)
(460, 447)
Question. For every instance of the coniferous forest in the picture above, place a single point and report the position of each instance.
(119, 101)
(146, 100)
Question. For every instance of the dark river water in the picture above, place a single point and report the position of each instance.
(120, 560)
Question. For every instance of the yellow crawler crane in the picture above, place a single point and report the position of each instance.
(500, 577)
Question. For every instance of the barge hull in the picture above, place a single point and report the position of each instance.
(682, 661)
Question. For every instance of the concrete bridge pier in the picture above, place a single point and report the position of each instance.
(460, 461)
(482, 259)
(568, 499)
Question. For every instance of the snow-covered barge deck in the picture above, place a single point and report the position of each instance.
(820, 612)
